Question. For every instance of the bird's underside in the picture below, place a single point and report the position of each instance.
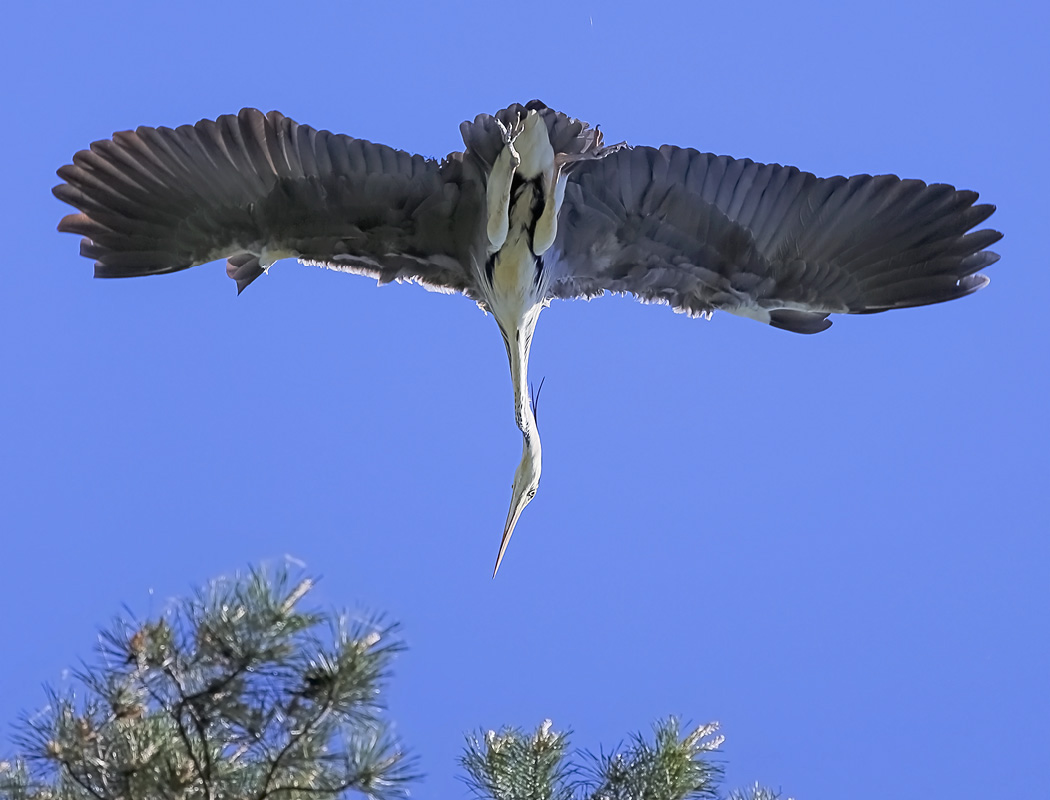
(534, 208)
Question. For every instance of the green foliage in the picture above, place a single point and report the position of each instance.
(234, 693)
(237, 693)
(514, 765)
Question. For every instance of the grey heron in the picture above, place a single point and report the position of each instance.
(534, 208)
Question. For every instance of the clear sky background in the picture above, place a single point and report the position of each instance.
(835, 545)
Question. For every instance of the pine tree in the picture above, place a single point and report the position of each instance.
(237, 693)
(234, 693)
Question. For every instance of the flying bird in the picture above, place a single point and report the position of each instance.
(534, 208)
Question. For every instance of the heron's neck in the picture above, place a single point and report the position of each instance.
(524, 413)
(517, 333)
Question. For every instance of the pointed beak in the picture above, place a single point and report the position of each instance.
(518, 500)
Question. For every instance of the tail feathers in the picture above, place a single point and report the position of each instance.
(572, 139)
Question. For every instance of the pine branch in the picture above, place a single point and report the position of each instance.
(234, 693)
(514, 765)
(672, 767)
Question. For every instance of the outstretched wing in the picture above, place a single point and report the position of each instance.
(703, 232)
(254, 188)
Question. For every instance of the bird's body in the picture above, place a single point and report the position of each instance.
(535, 208)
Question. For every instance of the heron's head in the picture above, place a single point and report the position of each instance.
(526, 481)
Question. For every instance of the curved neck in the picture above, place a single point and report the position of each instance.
(518, 340)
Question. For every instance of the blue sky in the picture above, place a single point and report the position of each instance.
(835, 545)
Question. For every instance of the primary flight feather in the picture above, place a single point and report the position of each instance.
(534, 208)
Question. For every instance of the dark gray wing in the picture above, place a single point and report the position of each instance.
(255, 187)
(703, 232)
